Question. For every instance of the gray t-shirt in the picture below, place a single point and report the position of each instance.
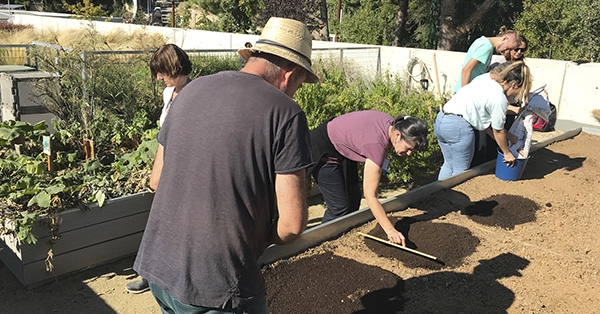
(225, 138)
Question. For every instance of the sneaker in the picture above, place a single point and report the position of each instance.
(137, 286)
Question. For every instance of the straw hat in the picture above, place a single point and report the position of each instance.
(288, 39)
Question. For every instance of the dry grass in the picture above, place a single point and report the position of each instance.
(596, 114)
(87, 37)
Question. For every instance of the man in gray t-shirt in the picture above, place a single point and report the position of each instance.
(236, 148)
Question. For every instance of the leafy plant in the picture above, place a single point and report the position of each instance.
(85, 9)
(107, 98)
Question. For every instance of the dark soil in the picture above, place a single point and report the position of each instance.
(326, 283)
(448, 243)
(507, 247)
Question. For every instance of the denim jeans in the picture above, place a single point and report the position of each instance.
(457, 142)
(169, 305)
(341, 191)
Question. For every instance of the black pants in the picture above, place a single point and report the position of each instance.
(340, 187)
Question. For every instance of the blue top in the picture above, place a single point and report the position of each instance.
(481, 50)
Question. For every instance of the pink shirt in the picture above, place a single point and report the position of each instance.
(360, 135)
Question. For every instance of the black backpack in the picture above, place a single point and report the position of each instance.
(542, 125)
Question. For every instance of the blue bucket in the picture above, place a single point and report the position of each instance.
(507, 173)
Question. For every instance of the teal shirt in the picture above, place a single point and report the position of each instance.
(481, 50)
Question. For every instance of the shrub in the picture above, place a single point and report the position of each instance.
(10, 27)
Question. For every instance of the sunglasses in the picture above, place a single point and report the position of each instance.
(520, 50)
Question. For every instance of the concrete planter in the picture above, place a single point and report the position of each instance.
(88, 238)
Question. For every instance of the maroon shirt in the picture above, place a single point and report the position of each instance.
(360, 135)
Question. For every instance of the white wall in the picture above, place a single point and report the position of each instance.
(571, 87)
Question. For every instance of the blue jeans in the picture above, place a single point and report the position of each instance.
(457, 142)
(341, 191)
(169, 305)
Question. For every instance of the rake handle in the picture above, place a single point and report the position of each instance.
(399, 246)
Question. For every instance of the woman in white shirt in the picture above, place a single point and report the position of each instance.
(480, 105)
(171, 65)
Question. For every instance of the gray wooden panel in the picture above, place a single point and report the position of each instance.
(86, 236)
(76, 218)
(89, 257)
(11, 260)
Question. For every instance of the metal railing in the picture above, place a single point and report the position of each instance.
(17, 54)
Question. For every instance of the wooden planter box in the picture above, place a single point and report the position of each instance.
(88, 238)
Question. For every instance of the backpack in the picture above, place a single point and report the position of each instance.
(542, 125)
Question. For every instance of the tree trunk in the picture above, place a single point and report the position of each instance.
(400, 30)
(324, 32)
(448, 32)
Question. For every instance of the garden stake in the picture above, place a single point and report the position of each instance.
(403, 248)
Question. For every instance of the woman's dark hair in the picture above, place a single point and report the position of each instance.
(413, 130)
(170, 60)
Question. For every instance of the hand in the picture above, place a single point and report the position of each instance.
(396, 237)
(509, 159)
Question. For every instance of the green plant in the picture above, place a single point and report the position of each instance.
(85, 9)
(30, 192)
(107, 98)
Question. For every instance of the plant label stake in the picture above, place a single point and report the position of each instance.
(431, 257)
(88, 148)
(46, 142)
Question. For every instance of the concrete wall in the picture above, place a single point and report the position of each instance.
(571, 87)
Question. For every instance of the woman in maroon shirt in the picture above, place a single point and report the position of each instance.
(362, 136)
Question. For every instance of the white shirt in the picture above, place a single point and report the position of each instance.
(482, 103)
(167, 96)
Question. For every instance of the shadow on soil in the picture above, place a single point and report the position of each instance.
(544, 161)
(68, 294)
(326, 283)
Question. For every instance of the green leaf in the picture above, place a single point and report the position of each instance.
(42, 199)
(55, 189)
(72, 157)
(9, 134)
(100, 197)
(35, 167)
(92, 165)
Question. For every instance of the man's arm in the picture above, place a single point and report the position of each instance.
(467, 70)
(157, 167)
(290, 190)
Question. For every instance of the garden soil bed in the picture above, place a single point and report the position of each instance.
(528, 246)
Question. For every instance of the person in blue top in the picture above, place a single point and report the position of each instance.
(480, 53)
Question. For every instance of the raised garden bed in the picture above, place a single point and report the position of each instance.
(87, 238)
(508, 247)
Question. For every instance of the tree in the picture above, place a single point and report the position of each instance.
(312, 12)
(401, 17)
(86, 9)
(234, 16)
(450, 30)
(561, 29)
(368, 22)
